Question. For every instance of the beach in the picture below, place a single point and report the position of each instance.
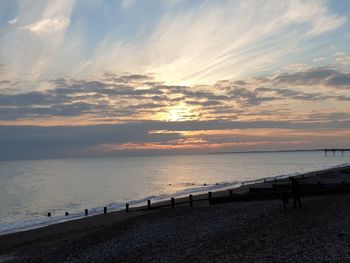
(251, 231)
(174, 131)
(30, 189)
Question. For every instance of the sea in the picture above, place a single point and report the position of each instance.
(30, 189)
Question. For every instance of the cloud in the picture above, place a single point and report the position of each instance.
(179, 42)
(30, 58)
(214, 40)
(119, 96)
(339, 80)
(128, 78)
(12, 21)
(319, 59)
(316, 76)
(308, 77)
(339, 116)
(320, 17)
(342, 58)
(136, 96)
(48, 26)
(100, 140)
(240, 64)
(285, 93)
(249, 98)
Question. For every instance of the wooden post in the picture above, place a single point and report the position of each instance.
(230, 192)
(172, 202)
(149, 204)
(210, 196)
(127, 208)
(105, 210)
(190, 198)
(86, 212)
(48, 214)
(66, 213)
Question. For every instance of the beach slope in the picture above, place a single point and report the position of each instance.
(255, 231)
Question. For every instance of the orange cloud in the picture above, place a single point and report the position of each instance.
(191, 144)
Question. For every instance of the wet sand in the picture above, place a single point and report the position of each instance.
(259, 231)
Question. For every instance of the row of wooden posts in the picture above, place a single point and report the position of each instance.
(149, 205)
(190, 200)
(172, 202)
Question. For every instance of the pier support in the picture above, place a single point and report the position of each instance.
(335, 150)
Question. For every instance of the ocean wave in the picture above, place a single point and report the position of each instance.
(8, 228)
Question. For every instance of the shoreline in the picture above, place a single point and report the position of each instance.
(36, 223)
(93, 223)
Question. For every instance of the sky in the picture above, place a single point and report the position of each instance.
(81, 78)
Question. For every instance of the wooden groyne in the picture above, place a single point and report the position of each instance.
(272, 188)
(326, 182)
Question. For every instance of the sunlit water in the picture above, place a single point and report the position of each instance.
(30, 189)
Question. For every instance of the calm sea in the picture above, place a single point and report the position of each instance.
(30, 189)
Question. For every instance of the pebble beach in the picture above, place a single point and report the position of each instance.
(258, 231)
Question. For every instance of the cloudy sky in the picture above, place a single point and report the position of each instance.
(124, 77)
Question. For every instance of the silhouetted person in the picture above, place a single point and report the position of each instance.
(296, 192)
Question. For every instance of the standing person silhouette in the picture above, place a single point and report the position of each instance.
(296, 192)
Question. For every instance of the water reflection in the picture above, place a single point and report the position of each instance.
(29, 189)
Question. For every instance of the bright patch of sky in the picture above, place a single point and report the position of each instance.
(268, 66)
(178, 41)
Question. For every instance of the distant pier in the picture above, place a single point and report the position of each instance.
(334, 151)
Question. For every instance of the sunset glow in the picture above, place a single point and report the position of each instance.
(173, 76)
(180, 112)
